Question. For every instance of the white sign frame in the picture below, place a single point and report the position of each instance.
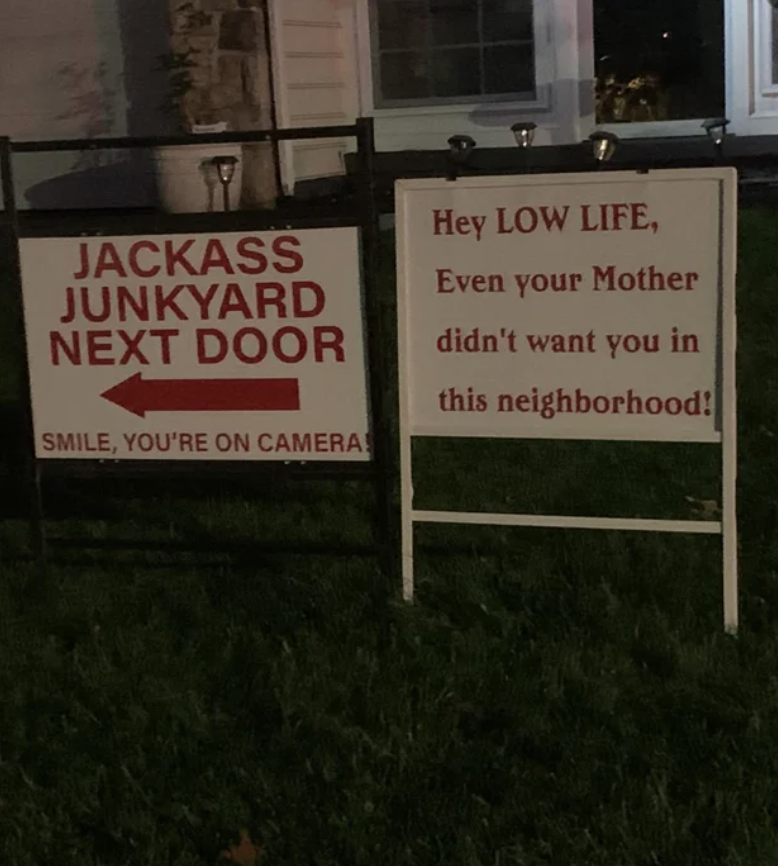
(726, 527)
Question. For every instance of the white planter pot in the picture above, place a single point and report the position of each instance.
(188, 182)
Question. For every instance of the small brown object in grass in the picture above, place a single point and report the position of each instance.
(245, 853)
(708, 509)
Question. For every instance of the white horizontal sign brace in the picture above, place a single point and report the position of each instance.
(697, 527)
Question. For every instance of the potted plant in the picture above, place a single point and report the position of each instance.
(187, 177)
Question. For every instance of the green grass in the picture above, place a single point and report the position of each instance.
(553, 697)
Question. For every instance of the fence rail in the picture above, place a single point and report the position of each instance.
(136, 142)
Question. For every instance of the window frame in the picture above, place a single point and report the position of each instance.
(765, 67)
(542, 43)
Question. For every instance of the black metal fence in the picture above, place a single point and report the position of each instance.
(754, 157)
(39, 490)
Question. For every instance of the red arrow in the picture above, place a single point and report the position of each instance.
(139, 395)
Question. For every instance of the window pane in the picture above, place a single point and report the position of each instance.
(402, 24)
(456, 72)
(405, 75)
(662, 60)
(509, 69)
(454, 21)
(507, 20)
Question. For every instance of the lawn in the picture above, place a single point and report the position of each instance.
(552, 698)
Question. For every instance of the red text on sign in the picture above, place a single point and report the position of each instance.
(648, 279)
(446, 222)
(527, 220)
(149, 258)
(289, 344)
(616, 217)
(302, 300)
(448, 281)
(312, 443)
(108, 348)
(89, 443)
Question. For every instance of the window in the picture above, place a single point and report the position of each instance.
(659, 60)
(440, 51)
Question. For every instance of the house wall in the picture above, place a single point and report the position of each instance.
(55, 80)
(86, 68)
(227, 41)
(78, 70)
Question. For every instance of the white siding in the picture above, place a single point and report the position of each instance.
(315, 84)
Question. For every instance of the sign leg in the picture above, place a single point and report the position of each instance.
(729, 534)
(406, 494)
(728, 328)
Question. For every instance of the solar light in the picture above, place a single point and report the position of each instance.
(461, 146)
(524, 133)
(460, 149)
(716, 130)
(225, 167)
(604, 146)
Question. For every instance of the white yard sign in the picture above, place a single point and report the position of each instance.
(237, 346)
(596, 306)
(569, 309)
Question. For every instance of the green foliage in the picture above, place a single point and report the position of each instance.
(179, 63)
(178, 66)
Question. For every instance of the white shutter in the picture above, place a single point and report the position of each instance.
(313, 83)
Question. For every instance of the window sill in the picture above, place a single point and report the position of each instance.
(512, 108)
(655, 129)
